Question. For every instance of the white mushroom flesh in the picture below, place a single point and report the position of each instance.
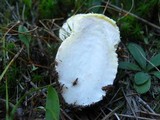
(87, 59)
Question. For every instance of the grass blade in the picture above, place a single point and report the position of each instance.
(52, 105)
(7, 101)
(10, 63)
(12, 113)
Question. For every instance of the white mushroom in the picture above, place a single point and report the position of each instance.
(86, 59)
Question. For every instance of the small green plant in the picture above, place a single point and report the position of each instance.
(144, 68)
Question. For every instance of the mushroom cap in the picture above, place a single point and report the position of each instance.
(86, 59)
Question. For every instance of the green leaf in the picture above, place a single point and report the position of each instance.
(34, 68)
(52, 105)
(143, 88)
(138, 54)
(155, 60)
(129, 66)
(156, 73)
(140, 78)
(24, 36)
